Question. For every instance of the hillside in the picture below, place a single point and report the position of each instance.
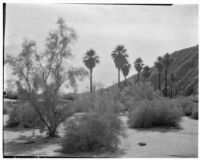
(185, 69)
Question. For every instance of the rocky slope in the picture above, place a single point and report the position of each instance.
(184, 68)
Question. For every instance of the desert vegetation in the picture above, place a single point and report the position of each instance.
(92, 121)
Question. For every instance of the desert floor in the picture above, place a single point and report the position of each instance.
(160, 142)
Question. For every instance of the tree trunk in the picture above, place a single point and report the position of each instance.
(52, 131)
(125, 80)
(165, 82)
(138, 77)
(171, 90)
(159, 81)
(90, 80)
(118, 76)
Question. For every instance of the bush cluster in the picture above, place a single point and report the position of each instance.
(155, 113)
(147, 108)
(135, 93)
(97, 129)
(188, 106)
(23, 115)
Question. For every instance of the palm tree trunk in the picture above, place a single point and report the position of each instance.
(118, 76)
(159, 81)
(171, 90)
(165, 82)
(138, 77)
(125, 80)
(90, 80)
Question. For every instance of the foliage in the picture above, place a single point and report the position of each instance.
(98, 129)
(119, 56)
(8, 106)
(45, 72)
(158, 64)
(138, 64)
(154, 113)
(125, 70)
(138, 92)
(23, 115)
(146, 72)
(90, 60)
(187, 105)
(11, 95)
(195, 113)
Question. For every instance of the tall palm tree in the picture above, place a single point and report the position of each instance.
(158, 65)
(138, 64)
(146, 72)
(166, 61)
(172, 83)
(90, 60)
(119, 56)
(125, 70)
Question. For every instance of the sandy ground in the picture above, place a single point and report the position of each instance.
(159, 142)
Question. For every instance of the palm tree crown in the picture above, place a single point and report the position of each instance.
(158, 65)
(90, 59)
(146, 72)
(138, 64)
(119, 55)
(166, 60)
(125, 69)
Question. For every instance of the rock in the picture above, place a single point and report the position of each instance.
(142, 144)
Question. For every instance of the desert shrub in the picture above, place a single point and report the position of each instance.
(91, 132)
(101, 98)
(195, 113)
(97, 129)
(23, 115)
(11, 95)
(83, 105)
(69, 97)
(135, 93)
(161, 112)
(141, 91)
(186, 104)
(7, 107)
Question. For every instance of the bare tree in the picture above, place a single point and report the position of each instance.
(45, 73)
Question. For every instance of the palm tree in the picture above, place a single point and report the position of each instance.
(138, 64)
(125, 70)
(166, 61)
(158, 65)
(119, 56)
(146, 72)
(172, 83)
(90, 60)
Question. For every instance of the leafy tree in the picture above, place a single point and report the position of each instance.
(125, 70)
(166, 61)
(119, 56)
(158, 65)
(44, 73)
(138, 64)
(146, 72)
(90, 60)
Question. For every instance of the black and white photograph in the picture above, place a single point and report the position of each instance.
(100, 80)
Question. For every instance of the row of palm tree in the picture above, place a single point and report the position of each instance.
(120, 58)
(163, 63)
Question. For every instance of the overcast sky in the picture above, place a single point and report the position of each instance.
(146, 31)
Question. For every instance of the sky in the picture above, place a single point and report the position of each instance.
(145, 31)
